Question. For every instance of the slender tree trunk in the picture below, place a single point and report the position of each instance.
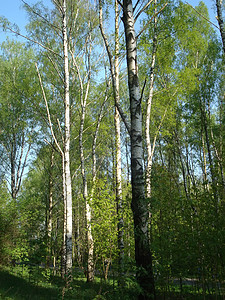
(90, 271)
(50, 202)
(218, 155)
(148, 114)
(220, 22)
(211, 167)
(143, 255)
(68, 188)
(204, 160)
(18, 160)
(88, 213)
(13, 168)
(127, 146)
(114, 68)
(63, 258)
(119, 199)
(90, 242)
(49, 207)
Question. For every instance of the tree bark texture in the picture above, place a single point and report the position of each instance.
(143, 255)
(150, 150)
(220, 22)
(114, 68)
(119, 199)
(68, 189)
(87, 200)
(50, 207)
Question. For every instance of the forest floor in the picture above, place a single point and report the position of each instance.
(39, 284)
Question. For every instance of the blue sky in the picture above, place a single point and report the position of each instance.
(13, 11)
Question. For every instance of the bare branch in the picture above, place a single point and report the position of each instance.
(135, 6)
(161, 123)
(40, 16)
(120, 3)
(58, 5)
(52, 145)
(146, 25)
(142, 91)
(19, 164)
(141, 11)
(60, 129)
(56, 68)
(202, 15)
(122, 114)
(48, 113)
(33, 41)
(23, 167)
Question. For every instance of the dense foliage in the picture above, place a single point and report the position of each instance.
(187, 201)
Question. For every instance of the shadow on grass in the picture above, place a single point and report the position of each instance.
(99, 290)
(14, 287)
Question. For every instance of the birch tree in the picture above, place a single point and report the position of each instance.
(149, 146)
(66, 152)
(84, 93)
(139, 205)
(220, 20)
(114, 68)
(63, 143)
(17, 130)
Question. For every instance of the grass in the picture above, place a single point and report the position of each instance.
(14, 287)
(27, 284)
(24, 283)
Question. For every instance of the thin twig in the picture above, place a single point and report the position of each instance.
(60, 129)
(138, 14)
(146, 25)
(120, 3)
(40, 16)
(202, 15)
(135, 6)
(48, 113)
(56, 68)
(33, 41)
(110, 56)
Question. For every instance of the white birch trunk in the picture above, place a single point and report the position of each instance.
(220, 22)
(68, 188)
(88, 212)
(119, 199)
(114, 68)
(90, 242)
(139, 204)
(150, 149)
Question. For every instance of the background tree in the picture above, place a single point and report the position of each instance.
(18, 94)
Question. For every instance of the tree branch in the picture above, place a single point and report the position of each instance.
(112, 70)
(135, 6)
(201, 15)
(146, 25)
(48, 113)
(40, 16)
(23, 167)
(33, 41)
(120, 3)
(141, 11)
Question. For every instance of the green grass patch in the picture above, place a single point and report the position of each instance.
(36, 283)
(23, 283)
(14, 287)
